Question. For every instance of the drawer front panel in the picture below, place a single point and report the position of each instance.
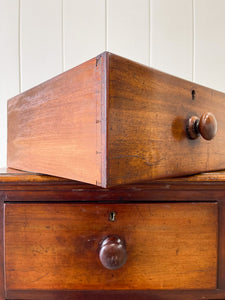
(147, 121)
(56, 246)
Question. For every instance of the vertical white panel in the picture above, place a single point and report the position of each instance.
(128, 29)
(210, 43)
(9, 62)
(171, 37)
(41, 41)
(83, 30)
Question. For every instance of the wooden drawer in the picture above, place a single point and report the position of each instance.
(112, 121)
(56, 246)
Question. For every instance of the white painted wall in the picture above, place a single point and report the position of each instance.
(42, 38)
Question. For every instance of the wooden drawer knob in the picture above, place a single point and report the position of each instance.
(206, 126)
(113, 254)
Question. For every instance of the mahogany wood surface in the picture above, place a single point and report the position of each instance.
(16, 186)
(113, 252)
(118, 295)
(221, 245)
(208, 126)
(56, 127)
(169, 246)
(147, 113)
(21, 189)
(15, 175)
(112, 121)
(8, 175)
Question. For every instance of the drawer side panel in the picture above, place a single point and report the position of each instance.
(55, 128)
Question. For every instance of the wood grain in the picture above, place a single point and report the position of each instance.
(112, 121)
(112, 252)
(55, 128)
(16, 186)
(17, 176)
(55, 247)
(118, 295)
(221, 245)
(14, 175)
(147, 112)
(30, 187)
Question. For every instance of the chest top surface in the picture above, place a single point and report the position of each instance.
(13, 177)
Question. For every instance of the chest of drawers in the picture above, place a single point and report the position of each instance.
(63, 239)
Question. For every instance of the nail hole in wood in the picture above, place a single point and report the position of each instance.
(193, 94)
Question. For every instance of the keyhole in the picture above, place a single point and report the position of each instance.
(112, 216)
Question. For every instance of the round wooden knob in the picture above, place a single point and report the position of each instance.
(206, 126)
(113, 254)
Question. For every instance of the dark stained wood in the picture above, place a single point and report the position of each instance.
(2, 288)
(123, 196)
(22, 186)
(112, 121)
(147, 113)
(113, 252)
(28, 187)
(118, 295)
(203, 186)
(221, 246)
(208, 126)
(169, 246)
(17, 187)
(192, 127)
(56, 128)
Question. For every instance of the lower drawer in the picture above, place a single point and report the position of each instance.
(57, 246)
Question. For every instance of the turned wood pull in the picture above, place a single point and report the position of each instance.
(206, 126)
(112, 253)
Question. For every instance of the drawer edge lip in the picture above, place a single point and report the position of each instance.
(123, 197)
(110, 294)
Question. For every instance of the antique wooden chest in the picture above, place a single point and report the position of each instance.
(112, 121)
(62, 239)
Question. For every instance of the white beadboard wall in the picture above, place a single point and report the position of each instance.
(42, 38)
